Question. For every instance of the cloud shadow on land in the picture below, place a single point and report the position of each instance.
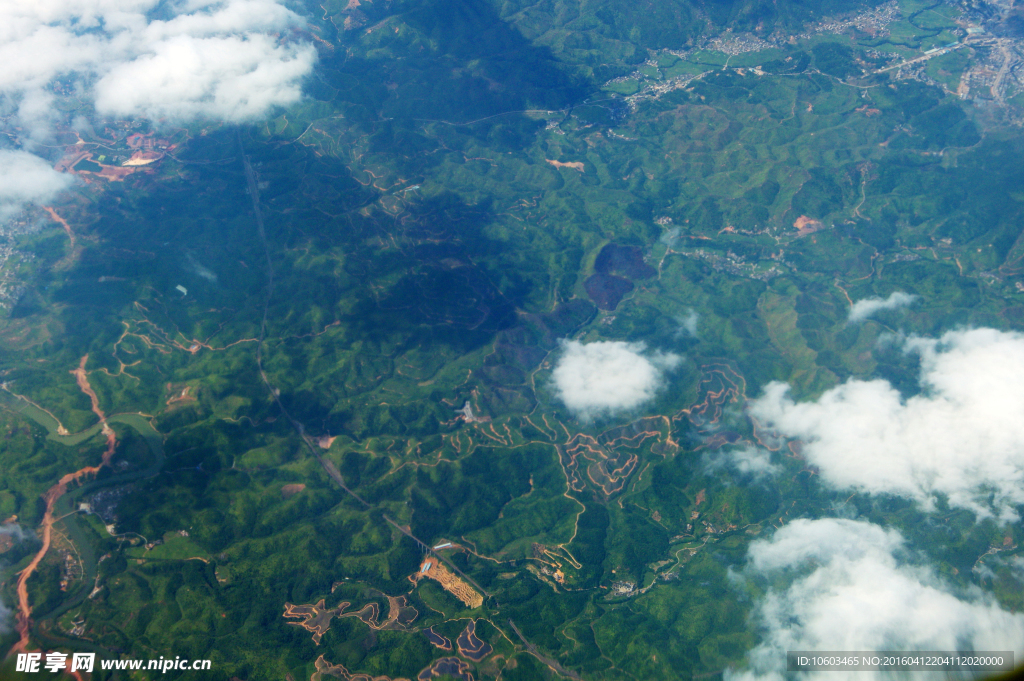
(469, 64)
(428, 286)
(447, 290)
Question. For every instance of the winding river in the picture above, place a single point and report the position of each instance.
(60, 502)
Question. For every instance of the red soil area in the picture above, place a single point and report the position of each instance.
(51, 496)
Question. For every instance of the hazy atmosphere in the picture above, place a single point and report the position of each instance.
(480, 340)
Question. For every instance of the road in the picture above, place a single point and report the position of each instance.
(532, 649)
(332, 471)
(924, 57)
(997, 84)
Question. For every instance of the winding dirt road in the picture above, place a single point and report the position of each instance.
(51, 497)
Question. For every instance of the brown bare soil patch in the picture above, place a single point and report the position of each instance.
(452, 666)
(73, 155)
(607, 468)
(75, 249)
(325, 669)
(58, 219)
(575, 165)
(51, 497)
(356, 20)
(437, 640)
(179, 395)
(452, 583)
(805, 225)
(289, 491)
(143, 158)
(719, 386)
(315, 617)
(470, 646)
(115, 174)
(400, 614)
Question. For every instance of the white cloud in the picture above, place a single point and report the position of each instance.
(6, 613)
(863, 309)
(607, 377)
(751, 461)
(1017, 567)
(962, 436)
(6, 619)
(230, 78)
(983, 571)
(848, 591)
(16, 532)
(223, 60)
(198, 268)
(220, 60)
(991, 566)
(687, 324)
(25, 178)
